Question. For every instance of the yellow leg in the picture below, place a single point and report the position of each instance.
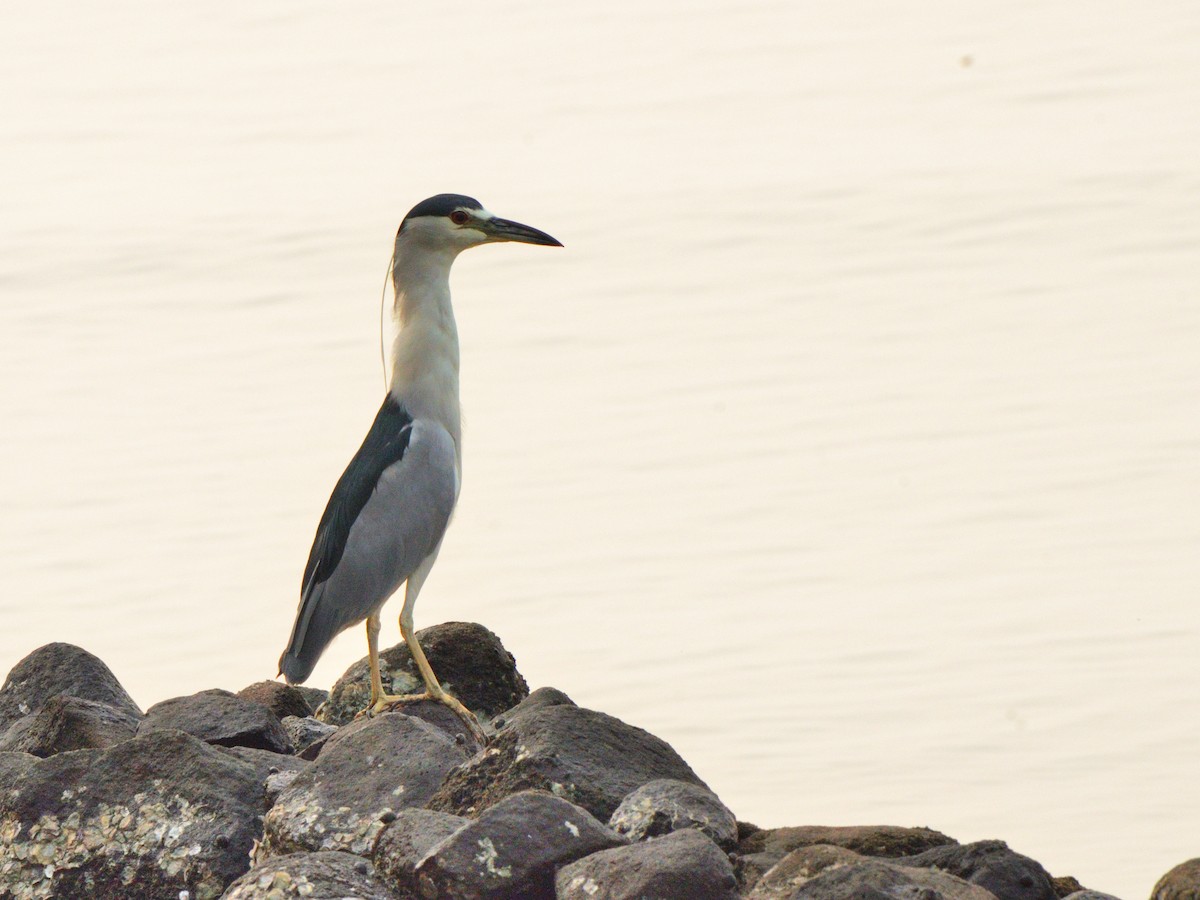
(380, 701)
(373, 660)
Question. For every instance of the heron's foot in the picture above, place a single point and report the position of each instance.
(387, 702)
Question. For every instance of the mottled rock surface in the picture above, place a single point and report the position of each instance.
(407, 805)
(542, 697)
(71, 723)
(760, 849)
(781, 880)
(159, 814)
(869, 840)
(511, 850)
(281, 699)
(219, 717)
(584, 756)
(992, 866)
(274, 771)
(665, 805)
(684, 863)
(439, 715)
(328, 874)
(59, 669)
(307, 734)
(407, 839)
(378, 766)
(875, 879)
(470, 662)
(1066, 885)
(315, 697)
(1180, 883)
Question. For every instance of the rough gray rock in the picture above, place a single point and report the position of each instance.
(665, 805)
(59, 669)
(407, 840)
(307, 734)
(439, 715)
(329, 874)
(781, 880)
(1090, 895)
(12, 737)
(874, 879)
(991, 865)
(542, 697)
(584, 756)
(275, 771)
(366, 771)
(219, 717)
(278, 782)
(511, 850)
(159, 814)
(751, 867)
(71, 723)
(684, 863)
(14, 766)
(760, 849)
(314, 697)
(869, 840)
(1181, 883)
(468, 660)
(281, 699)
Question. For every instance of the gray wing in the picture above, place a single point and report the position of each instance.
(404, 486)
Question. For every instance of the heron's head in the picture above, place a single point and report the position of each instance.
(454, 222)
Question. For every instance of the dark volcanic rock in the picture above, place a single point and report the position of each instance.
(13, 767)
(782, 880)
(11, 738)
(439, 715)
(281, 699)
(869, 840)
(71, 723)
(751, 867)
(512, 850)
(875, 879)
(539, 699)
(584, 756)
(682, 864)
(1066, 885)
(759, 849)
(152, 817)
(314, 697)
(59, 669)
(991, 865)
(318, 875)
(407, 840)
(219, 717)
(306, 734)
(665, 805)
(1181, 883)
(468, 660)
(340, 802)
(275, 771)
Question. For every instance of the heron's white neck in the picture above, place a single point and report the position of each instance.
(425, 350)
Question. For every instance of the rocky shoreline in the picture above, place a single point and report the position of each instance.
(279, 792)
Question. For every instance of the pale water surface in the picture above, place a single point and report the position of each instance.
(850, 444)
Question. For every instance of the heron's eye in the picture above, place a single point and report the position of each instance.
(458, 217)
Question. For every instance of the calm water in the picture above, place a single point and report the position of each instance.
(850, 445)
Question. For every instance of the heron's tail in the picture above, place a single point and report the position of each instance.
(315, 627)
(296, 667)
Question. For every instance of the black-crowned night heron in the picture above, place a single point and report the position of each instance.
(384, 523)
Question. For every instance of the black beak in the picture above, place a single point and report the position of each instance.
(505, 230)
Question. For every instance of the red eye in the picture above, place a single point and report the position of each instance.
(458, 217)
